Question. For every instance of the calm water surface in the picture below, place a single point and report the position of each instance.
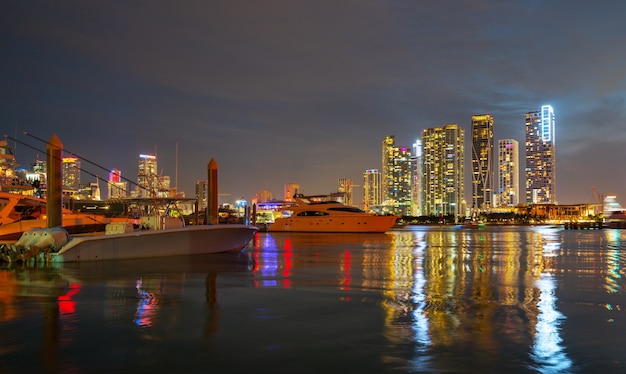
(417, 300)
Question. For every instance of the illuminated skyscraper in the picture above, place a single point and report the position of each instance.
(386, 177)
(345, 188)
(202, 194)
(71, 173)
(147, 177)
(508, 172)
(482, 162)
(371, 189)
(416, 176)
(540, 156)
(396, 177)
(116, 186)
(443, 180)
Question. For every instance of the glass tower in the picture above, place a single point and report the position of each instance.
(482, 162)
(540, 156)
(396, 177)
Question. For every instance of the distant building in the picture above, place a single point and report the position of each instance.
(443, 181)
(345, 189)
(396, 177)
(540, 156)
(263, 196)
(508, 173)
(147, 176)
(290, 190)
(371, 189)
(71, 173)
(416, 182)
(202, 194)
(116, 187)
(482, 162)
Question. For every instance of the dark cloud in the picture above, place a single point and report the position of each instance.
(305, 91)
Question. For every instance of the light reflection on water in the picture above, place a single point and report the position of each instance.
(420, 299)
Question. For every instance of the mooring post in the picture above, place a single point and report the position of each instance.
(54, 169)
(212, 209)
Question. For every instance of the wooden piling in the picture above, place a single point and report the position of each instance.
(212, 204)
(54, 168)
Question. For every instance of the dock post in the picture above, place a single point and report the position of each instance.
(54, 169)
(212, 206)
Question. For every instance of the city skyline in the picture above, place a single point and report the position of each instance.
(303, 92)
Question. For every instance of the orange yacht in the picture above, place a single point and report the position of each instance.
(312, 214)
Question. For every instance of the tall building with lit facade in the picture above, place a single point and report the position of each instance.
(345, 188)
(443, 181)
(71, 173)
(482, 162)
(508, 173)
(290, 190)
(202, 194)
(116, 187)
(540, 156)
(396, 177)
(371, 189)
(416, 176)
(147, 176)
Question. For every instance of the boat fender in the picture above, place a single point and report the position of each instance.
(53, 238)
(29, 237)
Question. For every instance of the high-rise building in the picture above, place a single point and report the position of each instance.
(386, 177)
(416, 175)
(443, 181)
(396, 177)
(482, 162)
(371, 189)
(116, 186)
(508, 173)
(345, 188)
(540, 156)
(147, 177)
(202, 194)
(290, 190)
(71, 173)
(263, 196)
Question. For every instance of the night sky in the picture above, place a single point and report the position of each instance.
(305, 91)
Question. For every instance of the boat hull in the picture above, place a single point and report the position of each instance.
(189, 240)
(334, 224)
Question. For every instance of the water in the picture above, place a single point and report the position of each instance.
(417, 300)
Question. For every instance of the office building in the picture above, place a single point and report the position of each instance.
(116, 187)
(147, 177)
(71, 173)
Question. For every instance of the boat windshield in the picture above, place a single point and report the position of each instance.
(311, 213)
(347, 209)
